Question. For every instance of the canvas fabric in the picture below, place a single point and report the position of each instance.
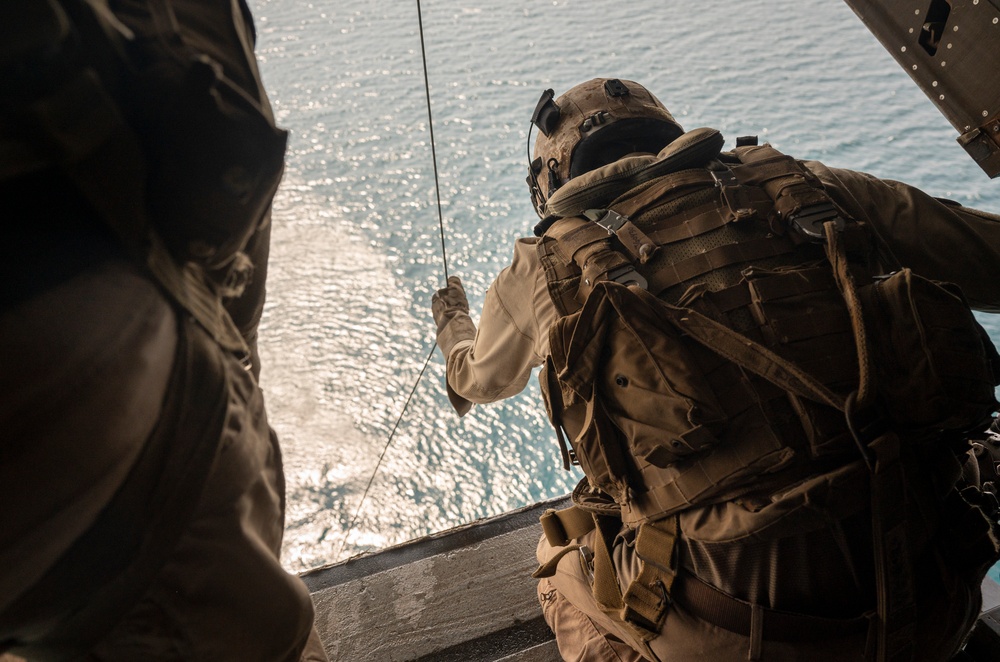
(194, 577)
(147, 496)
(633, 380)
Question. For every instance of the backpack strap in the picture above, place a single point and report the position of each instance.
(799, 199)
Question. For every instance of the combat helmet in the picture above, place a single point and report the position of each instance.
(593, 124)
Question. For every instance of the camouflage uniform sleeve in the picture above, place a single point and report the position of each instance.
(512, 337)
(936, 238)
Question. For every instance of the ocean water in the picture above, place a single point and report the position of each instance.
(356, 252)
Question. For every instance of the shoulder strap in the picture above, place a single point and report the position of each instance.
(799, 199)
(737, 348)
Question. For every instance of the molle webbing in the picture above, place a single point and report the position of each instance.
(600, 250)
(658, 191)
(696, 222)
(646, 599)
(791, 187)
(669, 275)
(719, 254)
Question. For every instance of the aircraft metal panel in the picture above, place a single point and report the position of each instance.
(951, 49)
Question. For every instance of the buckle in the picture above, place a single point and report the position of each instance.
(627, 275)
(608, 219)
(732, 195)
(809, 221)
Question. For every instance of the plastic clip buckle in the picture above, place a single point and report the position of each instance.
(809, 221)
(627, 275)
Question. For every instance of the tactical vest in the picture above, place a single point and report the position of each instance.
(712, 336)
(727, 332)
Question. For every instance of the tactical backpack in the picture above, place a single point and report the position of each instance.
(178, 160)
(647, 388)
(669, 384)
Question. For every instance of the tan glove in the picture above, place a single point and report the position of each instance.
(451, 314)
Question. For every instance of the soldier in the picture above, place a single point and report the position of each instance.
(142, 489)
(753, 366)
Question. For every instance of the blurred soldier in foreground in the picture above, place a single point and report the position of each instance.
(775, 402)
(141, 488)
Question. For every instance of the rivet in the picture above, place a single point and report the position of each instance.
(914, 67)
(934, 83)
(986, 113)
(903, 49)
(586, 281)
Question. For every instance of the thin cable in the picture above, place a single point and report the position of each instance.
(430, 126)
(371, 479)
(444, 258)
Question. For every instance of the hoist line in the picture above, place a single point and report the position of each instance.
(444, 258)
(430, 127)
(392, 434)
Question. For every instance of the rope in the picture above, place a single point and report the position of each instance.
(392, 434)
(444, 258)
(430, 126)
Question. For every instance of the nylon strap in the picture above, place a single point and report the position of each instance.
(770, 288)
(632, 239)
(548, 569)
(808, 325)
(575, 233)
(894, 579)
(648, 596)
(606, 589)
(663, 190)
(744, 352)
(787, 183)
(561, 526)
(708, 603)
(669, 275)
(698, 481)
(705, 222)
(837, 255)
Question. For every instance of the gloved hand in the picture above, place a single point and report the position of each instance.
(450, 307)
